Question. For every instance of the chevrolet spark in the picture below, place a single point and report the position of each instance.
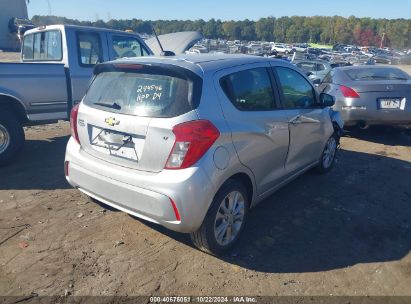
(193, 142)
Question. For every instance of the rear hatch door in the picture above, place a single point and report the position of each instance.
(127, 116)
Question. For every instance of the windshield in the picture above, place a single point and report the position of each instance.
(141, 94)
(377, 74)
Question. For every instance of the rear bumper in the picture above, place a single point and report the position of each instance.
(367, 112)
(175, 199)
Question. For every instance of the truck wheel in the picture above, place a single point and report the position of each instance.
(11, 137)
(225, 219)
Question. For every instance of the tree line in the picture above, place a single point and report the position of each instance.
(317, 29)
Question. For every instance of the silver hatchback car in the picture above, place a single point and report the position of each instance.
(193, 142)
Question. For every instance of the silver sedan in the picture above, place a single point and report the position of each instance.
(370, 95)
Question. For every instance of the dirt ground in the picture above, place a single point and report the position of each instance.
(344, 233)
(9, 57)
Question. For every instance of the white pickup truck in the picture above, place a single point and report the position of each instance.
(56, 68)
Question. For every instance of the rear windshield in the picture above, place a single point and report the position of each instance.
(142, 93)
(43, 46)
(377, 74)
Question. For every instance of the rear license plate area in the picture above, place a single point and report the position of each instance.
(391, 103)
(117, 144)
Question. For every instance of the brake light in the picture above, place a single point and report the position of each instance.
(73, 122)
(348, 92)
(193, 139)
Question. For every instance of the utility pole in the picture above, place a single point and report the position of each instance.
(49, 7)
(382, 40)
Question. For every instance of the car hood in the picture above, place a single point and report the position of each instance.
(176, 42)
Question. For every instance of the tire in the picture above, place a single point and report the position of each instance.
(328, 155)
(206, 237)
(11, 137)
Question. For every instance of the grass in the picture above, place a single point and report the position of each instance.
(321, 46)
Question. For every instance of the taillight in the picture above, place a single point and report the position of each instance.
(193, 139)
(73, 122)
(348, 92)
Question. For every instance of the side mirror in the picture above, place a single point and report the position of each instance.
(327, 100)
(308, 74)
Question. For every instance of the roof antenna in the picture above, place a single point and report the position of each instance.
(163, 53)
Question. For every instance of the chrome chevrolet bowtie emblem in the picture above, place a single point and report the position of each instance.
(111, 121)
(390, 87)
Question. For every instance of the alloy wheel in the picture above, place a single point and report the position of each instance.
(329, 152)
(229, 218)
(4, 139)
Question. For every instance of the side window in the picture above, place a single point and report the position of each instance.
(249, 90)
(144, 51)
(296, 90)
(53, 46)
(124, 46)
(329, 77)
(43, 46)
(320, 67)
(89, 48)
(28, 47)
(37, 46)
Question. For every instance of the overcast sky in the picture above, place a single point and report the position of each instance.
(218, 9)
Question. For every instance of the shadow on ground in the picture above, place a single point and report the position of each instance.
(40, 166)
(357, 213)
(382, 135)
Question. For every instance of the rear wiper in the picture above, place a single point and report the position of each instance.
(113, 105)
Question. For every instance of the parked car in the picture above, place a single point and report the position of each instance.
(281, 48)
(338, 64)
(317, 68)
(370, 95)
(192, 142)
(56, 69)
(300, 47)
(385, 59)
(315, 51)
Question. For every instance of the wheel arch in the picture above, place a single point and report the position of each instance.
(246, 180)
(14, 105)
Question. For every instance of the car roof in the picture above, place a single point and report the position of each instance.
(201, 63)
(77, 27)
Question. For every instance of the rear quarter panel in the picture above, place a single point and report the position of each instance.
(221, 161)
